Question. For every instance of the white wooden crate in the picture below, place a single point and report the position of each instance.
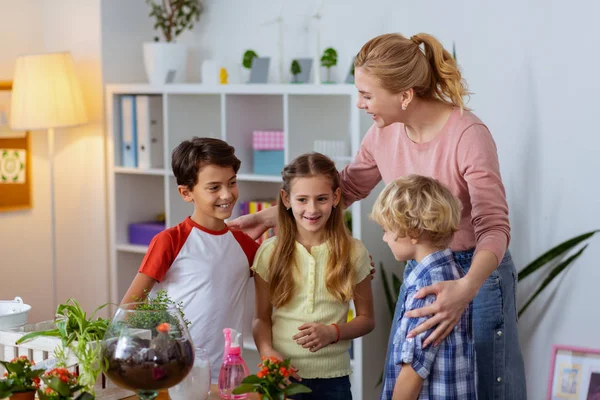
(38, 349)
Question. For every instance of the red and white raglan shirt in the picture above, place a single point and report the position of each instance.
(208, 271)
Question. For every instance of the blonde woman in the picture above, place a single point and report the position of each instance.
(414, 91)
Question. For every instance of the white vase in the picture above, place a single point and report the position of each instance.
(165, 62)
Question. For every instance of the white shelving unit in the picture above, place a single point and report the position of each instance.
(231, 112)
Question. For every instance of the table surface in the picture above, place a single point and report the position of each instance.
(214, 395)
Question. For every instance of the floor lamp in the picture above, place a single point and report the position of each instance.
(46, 95)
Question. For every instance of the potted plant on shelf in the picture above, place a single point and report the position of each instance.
(329, 60)
(21, 380)
(272, 381)
(295, 70)
(165, 62)
(247, 59)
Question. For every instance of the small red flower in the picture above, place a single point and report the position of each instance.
(260, 374)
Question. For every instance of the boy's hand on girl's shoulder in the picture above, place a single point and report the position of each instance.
(272, 353)
(314, 336)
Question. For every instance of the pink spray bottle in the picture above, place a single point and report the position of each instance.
(234, 368)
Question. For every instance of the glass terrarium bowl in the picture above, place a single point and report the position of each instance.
(147, 351)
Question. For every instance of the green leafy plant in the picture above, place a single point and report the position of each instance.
(348, 219)
(295, 70)
(272, 381)
(454, 51)
(328, 60)
(173, 17)
(159, 302)
(249, 56)
(551, 255)
(80, 335)
(20, 376)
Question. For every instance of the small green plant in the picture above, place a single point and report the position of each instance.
(249, 56)
(20, 376)
(159, 302)
(551, 255)
(328, 60)
(173, 17)
(295, 70)
(73, 326)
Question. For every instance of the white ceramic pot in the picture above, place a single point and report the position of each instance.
(165, 62)
(13, 313)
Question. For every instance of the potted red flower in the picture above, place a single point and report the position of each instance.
(21, 380)
(272, 381)
(60, 384)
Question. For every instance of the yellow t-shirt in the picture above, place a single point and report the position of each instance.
(312, 302)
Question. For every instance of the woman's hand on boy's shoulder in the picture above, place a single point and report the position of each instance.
(314, 336)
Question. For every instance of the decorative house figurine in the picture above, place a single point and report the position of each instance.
(328, 60)
(223, 75)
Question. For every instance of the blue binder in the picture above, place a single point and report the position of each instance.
(128, 132)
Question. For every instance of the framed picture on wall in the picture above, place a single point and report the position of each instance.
(15, 159)
(574, 374)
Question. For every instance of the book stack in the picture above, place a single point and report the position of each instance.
(251, 207)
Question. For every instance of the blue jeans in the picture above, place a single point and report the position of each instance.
(500, 368)
(326, 389)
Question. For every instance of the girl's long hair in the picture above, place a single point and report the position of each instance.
(339, 272)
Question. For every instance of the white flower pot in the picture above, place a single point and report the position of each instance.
(165, 62)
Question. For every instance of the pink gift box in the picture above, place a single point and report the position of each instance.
(267, 140)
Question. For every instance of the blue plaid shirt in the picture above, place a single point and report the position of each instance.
(448, 370)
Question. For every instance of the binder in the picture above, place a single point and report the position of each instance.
(128, 132)
(149, 122)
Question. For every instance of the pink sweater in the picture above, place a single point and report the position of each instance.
(463, 157)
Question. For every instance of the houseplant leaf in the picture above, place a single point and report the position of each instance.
(555, 272)
(296, 388)
(386, 290)
(554, 253)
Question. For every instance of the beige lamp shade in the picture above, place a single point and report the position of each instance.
(46, 93)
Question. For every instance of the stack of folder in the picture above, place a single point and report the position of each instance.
(141, 125)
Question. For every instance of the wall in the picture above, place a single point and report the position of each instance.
(37, 26)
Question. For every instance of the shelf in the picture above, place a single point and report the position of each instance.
(132, 248)
(259, 178)
(139, 171)
(198, 88)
